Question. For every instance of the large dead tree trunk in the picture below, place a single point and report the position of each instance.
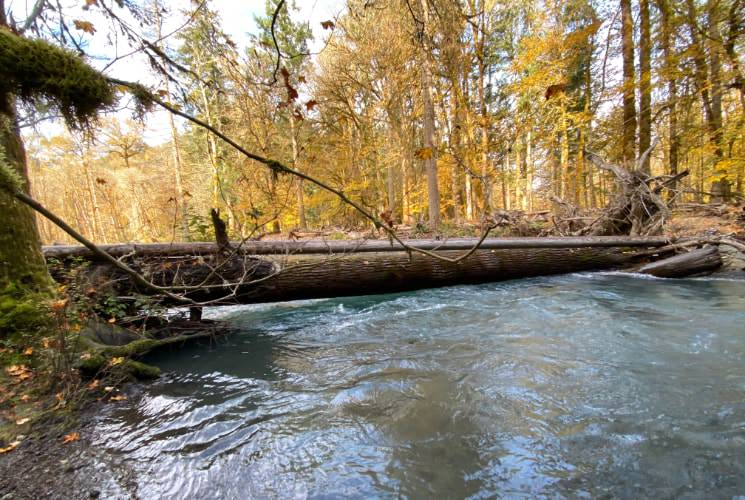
(290, 247)
(253, 280)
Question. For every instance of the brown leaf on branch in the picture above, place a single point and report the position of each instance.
(327, 25)
(86, 26)
(291, 92)
(311, 104)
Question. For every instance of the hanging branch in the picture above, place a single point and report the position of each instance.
(146, 97)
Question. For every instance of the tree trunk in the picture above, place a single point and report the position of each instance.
(629, 101)
(22, 265)
(300, 195)
(428, 139)
(645, 85)
(672, 89)
(296, 278)
(336, 247)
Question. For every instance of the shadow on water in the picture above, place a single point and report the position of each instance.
(591, 384)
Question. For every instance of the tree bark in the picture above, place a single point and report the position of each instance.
(671, 69)
(645, 85)
(291, 247)
(629, 101)
(428, 138)
(22, 265)
(299, 278)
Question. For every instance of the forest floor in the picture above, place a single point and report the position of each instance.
(58, 459)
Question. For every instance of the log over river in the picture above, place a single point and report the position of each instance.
(253, 272)
(581, 385)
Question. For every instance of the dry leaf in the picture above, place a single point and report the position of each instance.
(108, 388)
(69, 438)
(327, 25)
(423, 153)
(118, 398)
(85, 355)
(28, 351)
(22, 421)
(12, 446)
(94, 384)
(25, 397)
(116, 361)
(58, 305)
(112, 320)
(86, 26)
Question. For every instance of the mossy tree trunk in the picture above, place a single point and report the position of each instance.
(22, 265)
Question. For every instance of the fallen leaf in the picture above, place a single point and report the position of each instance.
(69, 438)
(12, 446)
(112, 320)
(25, 397)
(28, 351)
(121, 397)
(46, 342)
(58, 305)
(85, 355)
(22, 421)
(94, 384)
(116, 361)
(108, 388)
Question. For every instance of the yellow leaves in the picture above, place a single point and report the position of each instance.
(116, 361)
(86, 26)
(71, 437)
(19, 372)
(12, 446)
(423, 153)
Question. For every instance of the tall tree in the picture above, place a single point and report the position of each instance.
(645, 84)
(629, 102)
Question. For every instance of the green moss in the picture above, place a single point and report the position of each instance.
(22, 312)
(36, 69)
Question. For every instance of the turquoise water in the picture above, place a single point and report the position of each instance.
(572, 386)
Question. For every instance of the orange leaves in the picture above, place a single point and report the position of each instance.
(71, 437)
(19, 372)
(86, 26)
(28, 351)
(12, 446)
(59, 305)
(423, 153)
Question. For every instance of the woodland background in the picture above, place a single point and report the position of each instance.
(432, 113)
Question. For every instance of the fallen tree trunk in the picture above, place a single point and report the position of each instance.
(250, 280)
(700, 261)
(282, 247)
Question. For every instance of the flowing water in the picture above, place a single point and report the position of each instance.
(583, 385)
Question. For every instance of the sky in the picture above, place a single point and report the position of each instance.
(237, 21)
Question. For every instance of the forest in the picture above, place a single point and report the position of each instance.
(432, 114)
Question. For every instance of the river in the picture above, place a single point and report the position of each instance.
(581, 385)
